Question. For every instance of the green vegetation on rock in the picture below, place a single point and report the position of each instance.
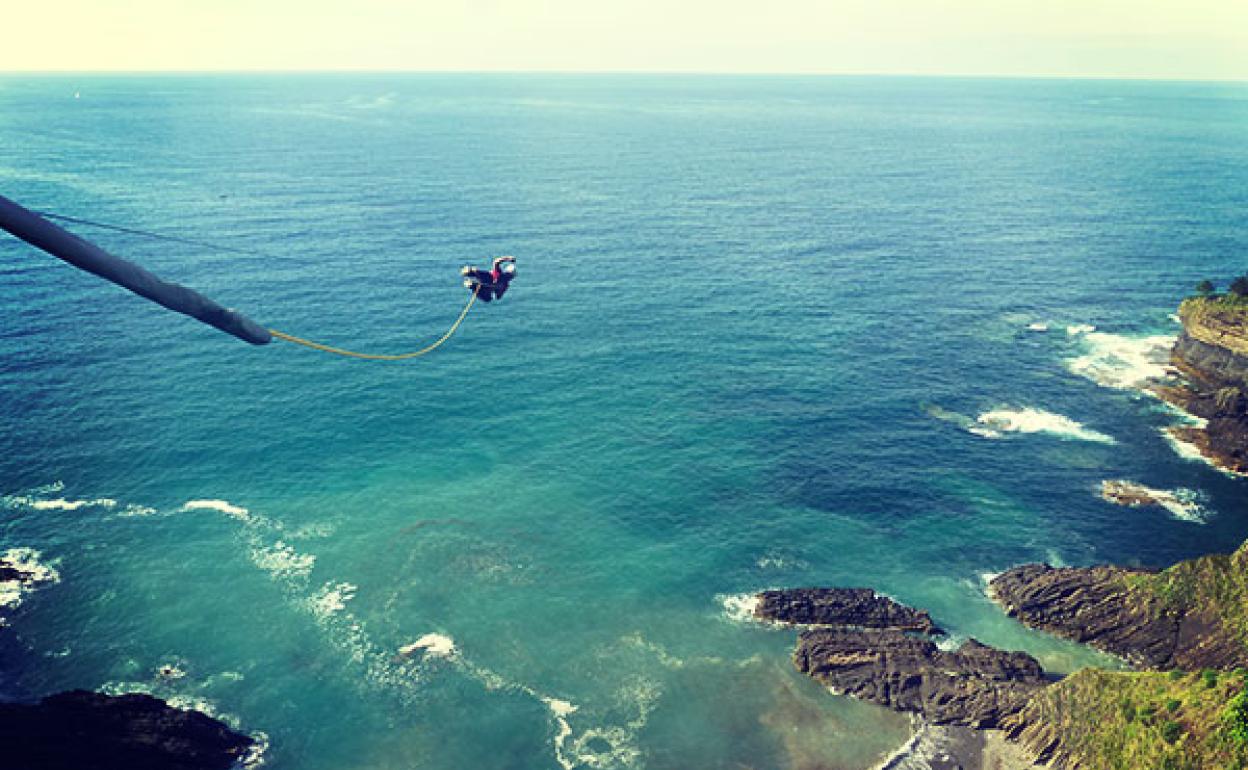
(1215, 586)
(1141, 721)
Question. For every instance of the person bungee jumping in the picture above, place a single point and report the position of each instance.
(490, 284)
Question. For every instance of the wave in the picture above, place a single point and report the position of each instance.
(1182, 503)
(438, 645)
(27, 562)
(1038, 326)
(994, 423)
(739, 608)
(35, 503)
(32, 500)
(1191, 451)
(1074, 330)
(1124, 363)
(332, 598)
(221, 506)
(616, 745)
(282, 561)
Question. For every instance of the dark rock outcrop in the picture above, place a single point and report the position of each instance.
(77, 730)
(853, 607)
(975, 686)
(875, 649)
(1212, 354)
(1111, 609)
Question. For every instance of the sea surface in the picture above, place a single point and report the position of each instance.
(766, 332)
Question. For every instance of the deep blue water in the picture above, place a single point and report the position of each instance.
(744, 306)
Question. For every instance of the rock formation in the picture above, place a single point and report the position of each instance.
(875, 649)
(1212, 354)
(79, 729)
(1154, 620)
(975, 686)
(857, 607)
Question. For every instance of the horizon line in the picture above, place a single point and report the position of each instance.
(628, 72)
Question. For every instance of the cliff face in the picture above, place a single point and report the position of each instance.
(1212, 352)
(1190, 616)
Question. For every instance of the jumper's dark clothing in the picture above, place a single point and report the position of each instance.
(493, 283)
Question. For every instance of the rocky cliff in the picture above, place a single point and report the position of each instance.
(1212, 354)
(1190, 616)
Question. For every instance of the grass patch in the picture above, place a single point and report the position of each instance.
(1147, 720)
(1215, 585)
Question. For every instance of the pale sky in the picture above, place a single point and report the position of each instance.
(1196, 39)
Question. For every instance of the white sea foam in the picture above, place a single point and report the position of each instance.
(314, 531)
(1030, 420)
(33, 572)
(170, 671)
(774, 560)
(560, 710)
(1183, 504)
(283, 561)
(257, 753)
(56, 504)
(1125, 363)
(223, 506)
(332, 597)
(950, 643)
(61, 504)
(137, 510)
(436, 645)
(1191, 452)
(1038, 326)
(1074, 330)
(616, 745)
(739, 608)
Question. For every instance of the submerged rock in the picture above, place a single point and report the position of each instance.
(855, 607)
(975, 686)
(77, 730)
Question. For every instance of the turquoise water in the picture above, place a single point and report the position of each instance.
(754, 320)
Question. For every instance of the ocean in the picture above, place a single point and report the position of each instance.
(765, 332)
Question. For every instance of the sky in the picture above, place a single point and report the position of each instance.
(1173, 39)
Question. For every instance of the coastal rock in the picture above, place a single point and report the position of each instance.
(1128, 493)
(1212, 354)
(79, 729)
(975, 686)
(1091, 605)
(854, 607)
(1138, 615)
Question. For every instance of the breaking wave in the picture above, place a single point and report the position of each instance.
(1182, 503)
(31, 572)
(1124, 363)
(996, 423)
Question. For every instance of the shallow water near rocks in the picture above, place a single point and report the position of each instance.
(753, 321)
